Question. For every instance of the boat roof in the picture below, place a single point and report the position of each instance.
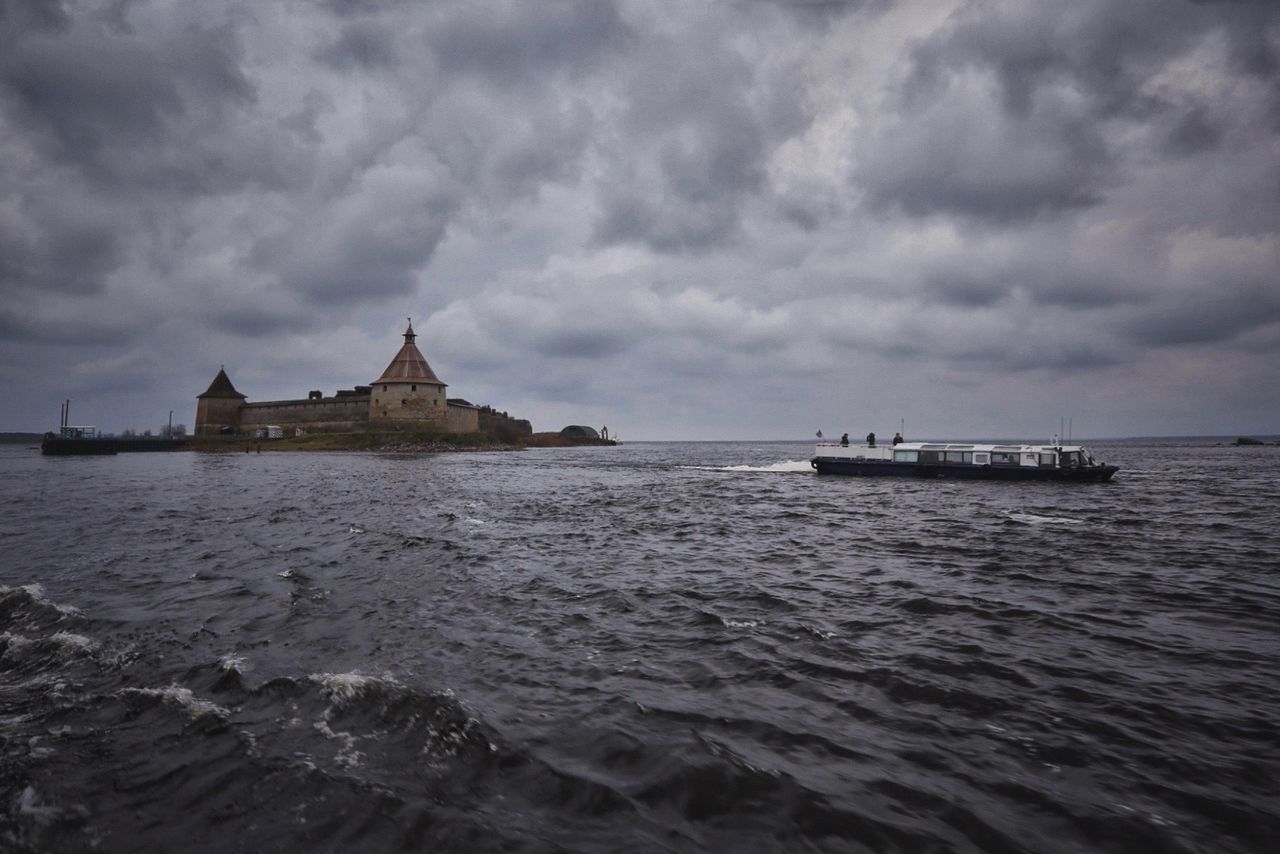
(987, 447)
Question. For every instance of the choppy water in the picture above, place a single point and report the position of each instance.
(655, 647)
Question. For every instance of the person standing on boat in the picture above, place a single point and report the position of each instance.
(844, 440)
(871, 439)
(897, 437)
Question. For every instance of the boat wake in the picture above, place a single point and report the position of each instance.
(785, 466)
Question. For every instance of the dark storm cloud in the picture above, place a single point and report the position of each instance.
(101, 97)
(23, 326)
(360, 45)
(47, 244)
(1066, 82)
(955, 158)
(1106, 51)
(515, 42)
(694, 154)
(1193, 132)
(26, 16)
(1220, 311)
(368, 244)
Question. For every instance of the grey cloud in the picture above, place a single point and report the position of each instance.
(255, 320)
(1106, 50)
(957, 159)
(1071, 358)
(90, 94)
(1194, 132)
(23, 16)
(1064, 81)
(65, 332)
(367, 244)
(516, 42)
(359, 8)
(1206, 319)
(581, 343)
(820, 12)
(360, 45)
(695, 155)
(97, 94)
(966, 289)
(45, 245)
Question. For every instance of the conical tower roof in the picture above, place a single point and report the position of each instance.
(409, 365)
(221, 387)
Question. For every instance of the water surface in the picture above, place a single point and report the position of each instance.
(654, 647)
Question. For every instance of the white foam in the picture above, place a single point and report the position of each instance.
(74, 642)
(1035, 519)
(343, 687)
(14, 644)
(181, 698)
(232, 663)
(36, 592)
(784, 466)
(740, 624)
(347, 755)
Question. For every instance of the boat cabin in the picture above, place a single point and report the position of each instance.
(943, 459)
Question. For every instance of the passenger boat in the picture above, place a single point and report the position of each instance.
(968, 460)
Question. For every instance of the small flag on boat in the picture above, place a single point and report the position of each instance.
(819, 434)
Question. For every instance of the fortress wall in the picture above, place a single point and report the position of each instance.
(329, 415)
(463, 419)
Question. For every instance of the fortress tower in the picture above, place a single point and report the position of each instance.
(219, 407)
(408, 390)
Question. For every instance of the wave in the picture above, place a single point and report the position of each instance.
(175, 696)
(1036, 519)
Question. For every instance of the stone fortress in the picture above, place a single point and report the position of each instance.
(408, 396)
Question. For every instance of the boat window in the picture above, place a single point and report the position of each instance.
(959, 457)
(980, 459)
(1048, 460)
(905, 456)
(1000, 458)
(931, 456)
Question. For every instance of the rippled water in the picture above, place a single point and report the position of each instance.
(676, 647)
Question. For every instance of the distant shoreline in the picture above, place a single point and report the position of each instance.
(374, 442)
(358, 442)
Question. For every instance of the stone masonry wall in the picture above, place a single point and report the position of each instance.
(463, 419)
(328, 415)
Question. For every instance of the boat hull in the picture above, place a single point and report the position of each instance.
(885, 468)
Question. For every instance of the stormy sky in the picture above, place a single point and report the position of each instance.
(681, 219)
